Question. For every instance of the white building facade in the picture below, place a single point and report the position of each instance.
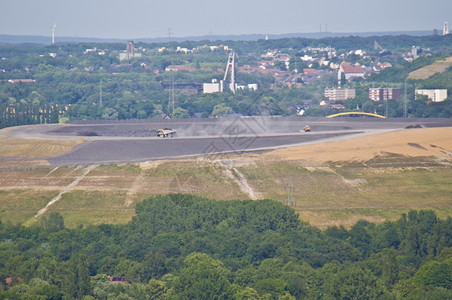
(434, 95)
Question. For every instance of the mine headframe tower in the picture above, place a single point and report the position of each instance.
(231, 66)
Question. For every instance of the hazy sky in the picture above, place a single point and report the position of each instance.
(128, 19)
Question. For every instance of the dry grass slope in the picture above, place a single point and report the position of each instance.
(436, 142)
(23, 148)
(427, 71)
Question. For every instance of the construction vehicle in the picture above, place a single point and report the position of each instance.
(166, 132)
(306, 128)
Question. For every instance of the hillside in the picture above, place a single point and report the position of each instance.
(375, 177)
(437, 67)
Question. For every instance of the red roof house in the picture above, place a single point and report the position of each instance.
(350, 71)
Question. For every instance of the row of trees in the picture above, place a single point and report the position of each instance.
(28, 114)
(185, 247)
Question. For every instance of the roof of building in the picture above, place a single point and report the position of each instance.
(180, 68)
(337, 106)
(197, 115)
(312, 71)
(119, 279)
(349, 68)
(22, 80)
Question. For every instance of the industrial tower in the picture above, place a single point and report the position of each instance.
(53, 33)
(445, 28)
(231, 63)
(130, 51)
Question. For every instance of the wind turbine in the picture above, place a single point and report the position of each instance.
(53, 33)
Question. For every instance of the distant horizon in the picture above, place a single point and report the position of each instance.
(46, 39)
(142, 19)
(49, 35)
(238, 34)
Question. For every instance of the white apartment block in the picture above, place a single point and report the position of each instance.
(335, 94)
(435, 95)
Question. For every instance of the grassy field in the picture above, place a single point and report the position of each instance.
(18, 206)
(81, 208)
(332, 195)
(322, 195)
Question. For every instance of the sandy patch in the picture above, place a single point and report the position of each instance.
(435, 142)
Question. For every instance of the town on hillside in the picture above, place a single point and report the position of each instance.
(304, 77)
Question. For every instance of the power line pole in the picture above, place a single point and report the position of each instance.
(386, 108)
(289, 199)
(171, 92)
(171, 95)
(404, 107)
(100, 93)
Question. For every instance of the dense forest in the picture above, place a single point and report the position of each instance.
(88, 81)
(185, 247)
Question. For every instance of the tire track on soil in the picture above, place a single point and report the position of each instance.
(65, 190)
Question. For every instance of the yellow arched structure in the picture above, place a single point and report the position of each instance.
(355, 113)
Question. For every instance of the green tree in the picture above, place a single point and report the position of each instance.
(180, 113)
(355, 283)
(52, 222)
(434, 274)
(203, 277)
(221, 110)
(110, 114)
(76, 281)
(35, 289)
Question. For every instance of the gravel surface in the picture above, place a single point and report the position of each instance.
(135, 141)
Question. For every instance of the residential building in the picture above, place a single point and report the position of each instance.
(434, 95)
(187, 87)
(350, 71)
(22, 81)
(252, 86)
(337, 106)
(176, 68)
(335, 94)
(382, 94)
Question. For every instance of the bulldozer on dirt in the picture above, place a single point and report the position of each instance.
(166, 132)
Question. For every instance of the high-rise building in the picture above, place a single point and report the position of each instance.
(382, 94)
